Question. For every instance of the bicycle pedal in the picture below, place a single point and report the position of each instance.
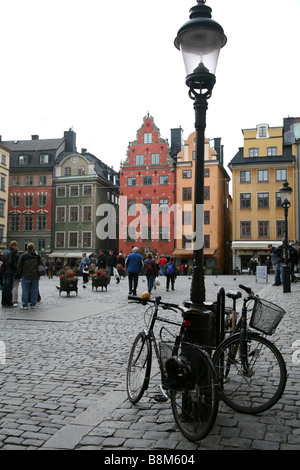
(160, 398)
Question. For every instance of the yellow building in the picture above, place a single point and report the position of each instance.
(216, 207)
(4, 174)
(258, 172)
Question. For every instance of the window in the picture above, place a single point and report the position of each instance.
(186, 194)
(42, 222)
(281, 175)
(163, 205)
(263, 229)
(60, 239)
(262, 131)
(23, 160)
(131, 181)
(187, 218)
(163, 233)
(80, 170)
(2, 208)
(28, 222)
(44, 159)
(14, 223)
(73, 239)
(272, 151)
(60, 214)
(206, 243)
(68, 171)
(206, 217)
(278, 200)
(147, 138)
(186, 243)
(87, 213)
(147, 203)
(155, 158)
(15, 201)
(74, 191)
(3, 182)
(245, 201)
(28, 201)
(254, 152)
(263, 200)
(245, 176)
(131, 233)
(206, 172)
(245, 229)
(61, 191)
(163, 179)
(280, 228)
(43, 180)
(139, 160)
(146, 233)
(86, 239)
(147, 180)
(41, 244)
(15, 181)
(29, 180)
(74, 213)
(3, 158)
(130, 203)
(262, 176)
(42, 201)
(186, 174)
(87, 190)
(206, 193)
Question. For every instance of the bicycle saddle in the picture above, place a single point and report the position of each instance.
(232, 294)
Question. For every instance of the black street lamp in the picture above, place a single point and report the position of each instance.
(286, 194)
(200, 40)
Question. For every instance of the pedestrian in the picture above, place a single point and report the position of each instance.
(85, 267)
(50, 268)
(276, 260)
(162, 263)
(1, 273)
(28, 270)
(293, 261)
(101, 261)
(150, 271)
(10, 262)
(170, 273)
(15, 291)
(134, 264)
(182, 269)
(121, 260)
(112, 262)
(58, 266)
(268, 264)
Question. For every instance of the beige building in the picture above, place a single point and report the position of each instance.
(4, 173)
(217, 204)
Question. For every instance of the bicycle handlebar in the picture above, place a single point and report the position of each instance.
(157, 301)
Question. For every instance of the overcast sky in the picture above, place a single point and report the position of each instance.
(99, 66)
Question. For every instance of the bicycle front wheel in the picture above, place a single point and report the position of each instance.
(258, 388)
(195, 408)
(139, 366)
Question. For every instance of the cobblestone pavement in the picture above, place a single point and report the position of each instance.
(62, 384)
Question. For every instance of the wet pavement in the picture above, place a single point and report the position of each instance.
(63, 369)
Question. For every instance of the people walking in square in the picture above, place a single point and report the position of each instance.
(276, 259)
(85, 267)
(162, 263)
(134, 263)
(170, 272)
(150, 271)
(28, 270)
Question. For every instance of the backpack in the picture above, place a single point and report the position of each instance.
(170, 270)
(2, 265)
(149, 269)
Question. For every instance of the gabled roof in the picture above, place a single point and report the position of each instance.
(34, 145)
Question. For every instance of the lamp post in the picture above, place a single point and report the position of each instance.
(200, 40)
(286, 194)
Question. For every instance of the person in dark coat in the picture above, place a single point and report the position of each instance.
(11, 260)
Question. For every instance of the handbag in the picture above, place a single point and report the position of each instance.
(41, 269)
(86, 268)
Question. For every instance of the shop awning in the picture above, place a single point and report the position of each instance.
(253, 245)
(77, 254)
(189, 253)
(57, 254)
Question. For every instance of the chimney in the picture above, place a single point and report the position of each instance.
(34, 137)
(219, 149)
(70, 141)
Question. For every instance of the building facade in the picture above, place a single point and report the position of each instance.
(217, 205)
(4, 192)
(147, 194)
(258, 171)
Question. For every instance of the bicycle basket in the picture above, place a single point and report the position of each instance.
(266, 316)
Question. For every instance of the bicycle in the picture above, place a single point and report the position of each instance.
(251, 370)
(188, 375)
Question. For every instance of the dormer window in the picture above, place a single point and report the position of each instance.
(262, 131)
(23, 159)
(44, 159)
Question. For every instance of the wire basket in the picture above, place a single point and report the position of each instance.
(266, 316)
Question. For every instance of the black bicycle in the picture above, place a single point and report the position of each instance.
(188, 375)
(251, 370)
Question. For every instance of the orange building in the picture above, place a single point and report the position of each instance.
(217, 205)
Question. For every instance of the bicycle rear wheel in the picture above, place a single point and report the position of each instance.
(139, 366)
(262, 385)
(195, 408)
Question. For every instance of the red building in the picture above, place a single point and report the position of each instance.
(147, 194)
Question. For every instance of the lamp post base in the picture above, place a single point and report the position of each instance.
(286, 279)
